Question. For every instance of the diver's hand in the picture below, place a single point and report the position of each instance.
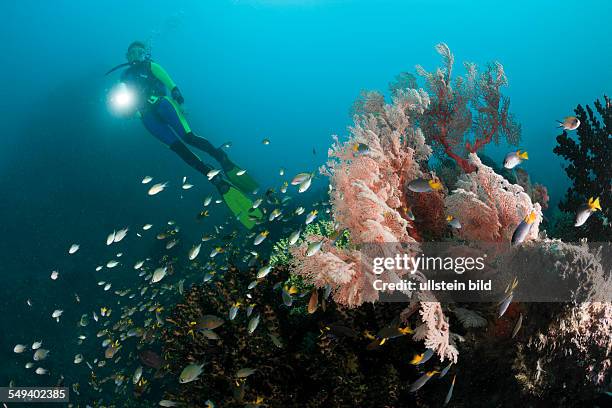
(177, 96)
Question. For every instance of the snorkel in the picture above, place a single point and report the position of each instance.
(136, 53)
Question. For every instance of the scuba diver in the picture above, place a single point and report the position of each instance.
(161, 115)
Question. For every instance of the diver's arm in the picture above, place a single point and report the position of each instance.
(163, 76)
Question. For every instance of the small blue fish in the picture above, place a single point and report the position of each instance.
(295, 235)
(513, 159)
(522, 230)
(585, 211)
(287, 299)
(445, 370)
(421, 185)
(264, 271)
(504, 305)
(253, 323)
(409, 213)
(517, 326)
(418, 384)
(450, 392)
(311, 216)
(453, 222)
(233, 311)
(249, 310)
(327, 291)
(426, 356)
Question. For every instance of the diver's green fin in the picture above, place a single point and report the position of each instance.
(244, 182)
(242, 207)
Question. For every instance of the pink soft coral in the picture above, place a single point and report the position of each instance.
(368, 174)
(342, 269)
(367, 196)
(368, 187)
(488, 207)
(435, 331)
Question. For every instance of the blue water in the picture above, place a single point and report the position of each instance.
(284, 70)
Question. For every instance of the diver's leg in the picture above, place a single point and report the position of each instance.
(172, 114)
(190, 157)
(158, 128)
(163, 132)
(203, 144)
(236, 200)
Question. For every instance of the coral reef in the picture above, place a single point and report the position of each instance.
(488, 206)
(590, 167)
(326, 359)
(368, 194)
(461, 107)
(325, 339)
(434, 331)
(573, 339)
(462, 114)
(341, 269)
(375, 178)
(561, 353)
(230, 349)
(334, 357)
(384, 152)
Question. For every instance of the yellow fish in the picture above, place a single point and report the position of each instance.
(522, 230)
(585, 211)
(435, 184)
(416, 359)
(360, 147)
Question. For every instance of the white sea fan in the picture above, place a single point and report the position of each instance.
(448, 59)
(469, 319)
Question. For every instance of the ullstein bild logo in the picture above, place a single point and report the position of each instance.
(430, 285)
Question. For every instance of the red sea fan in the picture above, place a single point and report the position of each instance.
(466, 107)
(539, 194)
(430, 214)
